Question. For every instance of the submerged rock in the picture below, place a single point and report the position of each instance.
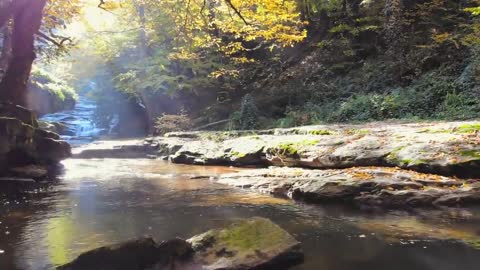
(137, 254)
(391, 187)
(255, 243)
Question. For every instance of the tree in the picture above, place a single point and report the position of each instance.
(26, 20)
(6, 48)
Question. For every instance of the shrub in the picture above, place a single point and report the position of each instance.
(458, 106)
(172, 123)
(247, 117)
(45, 81)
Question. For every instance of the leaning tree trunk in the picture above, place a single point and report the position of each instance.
(26, 22)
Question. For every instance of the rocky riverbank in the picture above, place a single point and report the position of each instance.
(378, 163)
(27, 152)
(373, 186)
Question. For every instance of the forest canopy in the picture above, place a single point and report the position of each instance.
(304, 61)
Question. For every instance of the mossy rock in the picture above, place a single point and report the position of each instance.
(468, 128)
(471, 153)
(255, 243)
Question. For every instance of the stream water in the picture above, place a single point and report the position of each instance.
(100, 202)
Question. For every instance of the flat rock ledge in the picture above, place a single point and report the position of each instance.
(445, 148)
(255, 243)
(371, 186)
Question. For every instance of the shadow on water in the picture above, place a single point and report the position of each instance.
(100, 202)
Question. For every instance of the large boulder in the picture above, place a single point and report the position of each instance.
(255, 243)
(22, 143)
(14, 111)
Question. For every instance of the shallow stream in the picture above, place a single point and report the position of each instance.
(100, 202)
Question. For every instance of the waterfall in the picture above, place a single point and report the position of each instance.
(80, 127)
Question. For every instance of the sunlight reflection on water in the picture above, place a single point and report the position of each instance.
(100, 202)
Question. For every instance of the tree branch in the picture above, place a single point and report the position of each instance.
(53, 41)
(229, 2)
(203, 6)
(100, 5)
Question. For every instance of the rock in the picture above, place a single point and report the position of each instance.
(255, 243)
(17, 179)
(30, 171)
(115, 149)
(14, 111)
(441, 148)
(63, 129)
(45, 125)
(450, 149)
(137, 254)
(23, 144)
(41, 133)
(56, 127)
(50, 151)
(16, 140)
(387, 187)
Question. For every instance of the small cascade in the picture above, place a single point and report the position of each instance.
(80, 127)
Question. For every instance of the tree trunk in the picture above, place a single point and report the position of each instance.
(144, 49)
(27, 19)
(6, 9)
(6, 52)
(393, 25)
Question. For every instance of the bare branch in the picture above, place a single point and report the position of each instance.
(203, 6)
(101, 6)
(229, 2)
(102, 2)
(53, 41)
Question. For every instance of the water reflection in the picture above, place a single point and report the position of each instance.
(100, 202)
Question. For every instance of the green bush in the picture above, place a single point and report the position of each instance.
(459, 106)
(45, 81)
(248, 117)
(430, 97)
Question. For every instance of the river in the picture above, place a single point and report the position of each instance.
(100, 202)
(104, 201)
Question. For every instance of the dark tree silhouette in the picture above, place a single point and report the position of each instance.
(26, 18)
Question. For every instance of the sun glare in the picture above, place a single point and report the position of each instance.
(92, 19)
